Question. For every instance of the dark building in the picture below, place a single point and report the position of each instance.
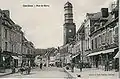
(104, 40)
(69, 25)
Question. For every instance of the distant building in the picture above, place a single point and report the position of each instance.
(28, 51)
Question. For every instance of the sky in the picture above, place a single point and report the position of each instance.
(44, 25)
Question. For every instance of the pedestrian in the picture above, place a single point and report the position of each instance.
(41, 65)
(12, 66)
(29, 69)
(106, 65)
(80, 65)
(72, 67)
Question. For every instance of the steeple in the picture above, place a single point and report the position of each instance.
(68, 4)
(68, 13)
(69, 26)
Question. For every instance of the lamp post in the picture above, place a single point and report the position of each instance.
(81, 54)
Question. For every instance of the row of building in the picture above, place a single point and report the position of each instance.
(95, 42)
(15, 48)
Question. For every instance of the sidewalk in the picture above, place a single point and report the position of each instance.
(7, 72)
(94, 73)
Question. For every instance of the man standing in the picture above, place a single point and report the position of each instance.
(72, 67)
(41, 65)
(80, 65)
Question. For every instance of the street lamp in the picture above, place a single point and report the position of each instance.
(81, 54)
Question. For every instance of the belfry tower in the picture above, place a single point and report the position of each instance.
(69, 26)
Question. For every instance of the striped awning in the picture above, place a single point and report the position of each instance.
(102, 52)
(15, 57)
(75, 55)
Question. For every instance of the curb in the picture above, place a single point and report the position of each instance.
(6, 74)
(69, 75)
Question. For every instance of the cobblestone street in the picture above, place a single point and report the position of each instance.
(50, 72)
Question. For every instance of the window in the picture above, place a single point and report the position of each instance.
(100, 39)
(92, 44)
(6, 46)
(95, 42)
(103, 38)
(88, 43)
(6, 33)
(116, 30)
(12, 48)
(110, 36)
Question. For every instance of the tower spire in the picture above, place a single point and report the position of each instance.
(68, 12)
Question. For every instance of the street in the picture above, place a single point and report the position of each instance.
(46, 72)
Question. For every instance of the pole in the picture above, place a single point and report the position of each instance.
(119, 36)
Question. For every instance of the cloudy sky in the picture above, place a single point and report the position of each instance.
(44, 25)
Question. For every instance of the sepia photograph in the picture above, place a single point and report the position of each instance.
(59, 39)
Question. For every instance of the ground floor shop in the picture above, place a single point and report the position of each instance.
(28, 59)
(9, 60)
(104, 59)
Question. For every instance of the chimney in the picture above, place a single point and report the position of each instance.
(104, 12)
(6, 12)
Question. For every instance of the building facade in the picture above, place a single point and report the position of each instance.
(28, 52)
(11, 42)
(104, 39)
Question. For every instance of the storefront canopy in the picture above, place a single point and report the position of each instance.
(117, 55)
(75, 56)
(15, 57)
(102, 52)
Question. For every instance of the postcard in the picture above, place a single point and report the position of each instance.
(59, 39)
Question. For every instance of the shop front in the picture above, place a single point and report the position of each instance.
(8, 60)
(28, 59)
(103, 59)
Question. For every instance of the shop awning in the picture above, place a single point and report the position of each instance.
(15, 57)
(102, 52)
(117, 55)
(75, 55)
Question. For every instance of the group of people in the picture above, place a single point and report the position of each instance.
(25, 67)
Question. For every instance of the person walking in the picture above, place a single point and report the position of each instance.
(72, 67)
(41, 65)
(29, 69)
(106, 65)
(80, 65)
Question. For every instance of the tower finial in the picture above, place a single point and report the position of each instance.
(68, 4)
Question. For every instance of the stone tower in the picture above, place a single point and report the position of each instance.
(69, 26)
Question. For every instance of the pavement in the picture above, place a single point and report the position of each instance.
(45, 73)
(7, 72)
(93, 73)
(62, 73)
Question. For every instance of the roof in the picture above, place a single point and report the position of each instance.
(68, 4)
(94, 15)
